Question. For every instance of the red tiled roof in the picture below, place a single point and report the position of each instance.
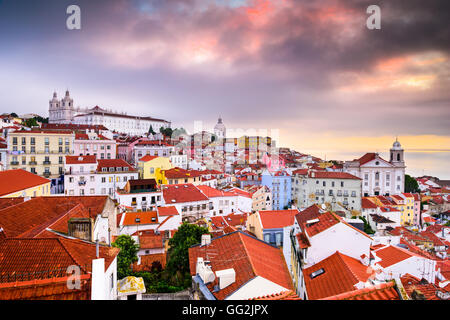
(341, 273)
(47, 289)
(366, 158)
(148, 158)
(167, 211)
(32, 217)
(367, 204)
(332, 175)
(383, 291)
(81, 159)
(285, 295)
(113, 163)
(303, 241)
(248, 256)
(391, 255)
(274, 219)
(326, 220)
(150, 240)
(179, 173)
(40, 255)
(16, 180)
(177, 193)
(140, 218)
(211, 192)
(411, 284)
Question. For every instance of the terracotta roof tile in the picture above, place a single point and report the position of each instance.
(341, 274)
(248, 256)
(16, 180)
(177, 193)
(383, 291)
(274, 219)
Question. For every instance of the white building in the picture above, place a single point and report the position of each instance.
(87, 175)
(321, 187)
(380, 177)
(63, 111)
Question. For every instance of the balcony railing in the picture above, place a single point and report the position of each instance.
(46, 162)
(46, 174)
(14, 163)
(32, 163)
(82, 183)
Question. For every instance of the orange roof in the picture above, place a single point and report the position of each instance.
(326, 220)
(382, 291)
(113, 163)
(32, 217)
(81, 159)
(367, 204)
(16, 180)
(167, 211)
(148, 239)
(40, 255)
(176, 193)
(274, 219)
(212, 192)
(411, 284)
(340, 275)
(148, 158)
(46, 289)
(391, 255)
(140, 218)
(179, 173)
(285, 295)
(248, 256)
(332, 175)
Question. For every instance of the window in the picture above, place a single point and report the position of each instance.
(317, 273)
(267, 238)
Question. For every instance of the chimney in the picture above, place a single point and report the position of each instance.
(206, 239)
(226, 277)
(204, 271)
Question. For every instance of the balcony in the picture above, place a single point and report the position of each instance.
(32, 163)
(46, 174)
(14, 163)
(82, 183)
(47, 162)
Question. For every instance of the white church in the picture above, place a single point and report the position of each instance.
(64, 111)
(379, 176)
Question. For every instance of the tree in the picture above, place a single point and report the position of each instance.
(150, 130)
(186, 236)
(411, 185)
(31, 122)
(14, 115)
(127, 255)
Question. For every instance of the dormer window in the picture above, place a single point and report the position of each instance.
(317, 273)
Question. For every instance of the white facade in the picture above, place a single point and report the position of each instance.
(309, 190)
(63, 111)
(140, 200)
(379, 176)
(179, 160)
(256, 287)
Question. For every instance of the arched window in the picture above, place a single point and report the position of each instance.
(398, 156)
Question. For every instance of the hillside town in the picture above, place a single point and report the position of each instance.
(102, 205)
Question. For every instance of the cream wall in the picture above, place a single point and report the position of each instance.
(23, 156)
(37, 191)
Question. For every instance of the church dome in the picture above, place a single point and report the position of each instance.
(219, 126)
(396, 145)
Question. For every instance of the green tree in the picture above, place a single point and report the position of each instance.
(178, 253)
(150, 130)
(14, 115)
(411, 185)
(127, 255)
(31, 122)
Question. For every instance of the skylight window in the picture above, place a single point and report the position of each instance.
(317, 273)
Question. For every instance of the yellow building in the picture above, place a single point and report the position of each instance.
(150, 167)
(39, 151)
(403, 203)
(20, 183)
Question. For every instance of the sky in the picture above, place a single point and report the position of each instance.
(311, 71)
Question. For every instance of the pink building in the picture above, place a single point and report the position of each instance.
(91, 143)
